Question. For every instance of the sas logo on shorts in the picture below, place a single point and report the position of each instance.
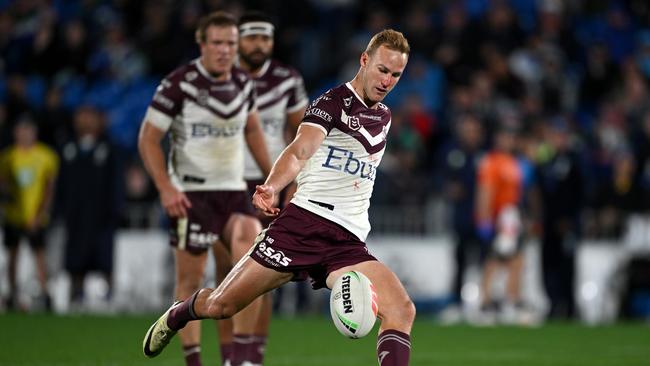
(274, 257)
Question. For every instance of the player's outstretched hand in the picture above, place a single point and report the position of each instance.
(174, 202)
(264, 200)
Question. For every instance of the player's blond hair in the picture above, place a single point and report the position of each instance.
(390, 39)
(218, 19)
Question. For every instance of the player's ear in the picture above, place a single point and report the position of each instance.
(363, 60)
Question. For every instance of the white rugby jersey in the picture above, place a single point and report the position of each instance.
(337, 181)
(206, 119)
(280, 90)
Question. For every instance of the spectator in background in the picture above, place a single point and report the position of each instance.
(560, 181)
(459, 167)
(499, 221)
(641, 144)
(90, 199)
(599, 79)
(28, 170)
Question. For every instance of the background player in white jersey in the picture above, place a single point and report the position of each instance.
(281, 102)
(210, 110)
(321, 233)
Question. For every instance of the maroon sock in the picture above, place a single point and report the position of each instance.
(192, 355)
(241, 348)
(226, 353)
(393, 348)
(183, 313)
(257, 350)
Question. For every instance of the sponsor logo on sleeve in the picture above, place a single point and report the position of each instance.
(191, 75)
(317, 112)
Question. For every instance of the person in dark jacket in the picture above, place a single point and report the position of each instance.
(90, 196)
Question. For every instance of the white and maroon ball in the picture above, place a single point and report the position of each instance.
(353, 304)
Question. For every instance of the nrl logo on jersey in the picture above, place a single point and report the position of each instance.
(189, 76)
(352, 121)
(202, 97)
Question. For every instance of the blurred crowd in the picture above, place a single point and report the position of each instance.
(579, 67)
(570, 78)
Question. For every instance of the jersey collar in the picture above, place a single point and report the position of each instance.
(355, 94)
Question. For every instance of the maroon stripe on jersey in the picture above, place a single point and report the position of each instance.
(216, 111)
(357, 136)
(274, 100)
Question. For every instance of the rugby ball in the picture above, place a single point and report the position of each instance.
(353, 304)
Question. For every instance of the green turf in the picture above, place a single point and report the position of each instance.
(91, 340)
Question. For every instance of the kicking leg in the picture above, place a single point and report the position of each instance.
(396, 311)
(247, 281)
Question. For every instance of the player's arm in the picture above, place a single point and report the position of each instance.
(287, 167)
(174, 202)
(484, 194)
(45, 204)
(255, 140)
(293, 122)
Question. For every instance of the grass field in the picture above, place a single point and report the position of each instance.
(93, 340)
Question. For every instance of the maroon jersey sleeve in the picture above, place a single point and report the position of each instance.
(168, 98)
(323, 111)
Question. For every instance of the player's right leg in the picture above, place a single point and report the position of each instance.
(11, 241)
(395, 309)
(247, 281)
(190, 268)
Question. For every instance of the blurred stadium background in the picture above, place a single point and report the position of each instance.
(578, 67)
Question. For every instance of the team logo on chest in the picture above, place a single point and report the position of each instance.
(354, 123)
(202, 97)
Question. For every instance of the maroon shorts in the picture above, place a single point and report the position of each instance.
(207, 218)
(308, 245)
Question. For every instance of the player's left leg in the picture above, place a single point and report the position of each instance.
(513, 288)
(223, 261)
(37, 243)
(240, 231)
(396, 311)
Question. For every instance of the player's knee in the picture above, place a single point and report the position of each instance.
(409, 311)
(400, 313)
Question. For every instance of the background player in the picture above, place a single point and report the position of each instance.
(320, 234)
(209, 108)
(500, 227)
(281, 102)
(28, 171)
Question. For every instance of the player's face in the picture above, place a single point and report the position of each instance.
(25, 134)
(255, 49)
(381, 72)
(219, 49)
